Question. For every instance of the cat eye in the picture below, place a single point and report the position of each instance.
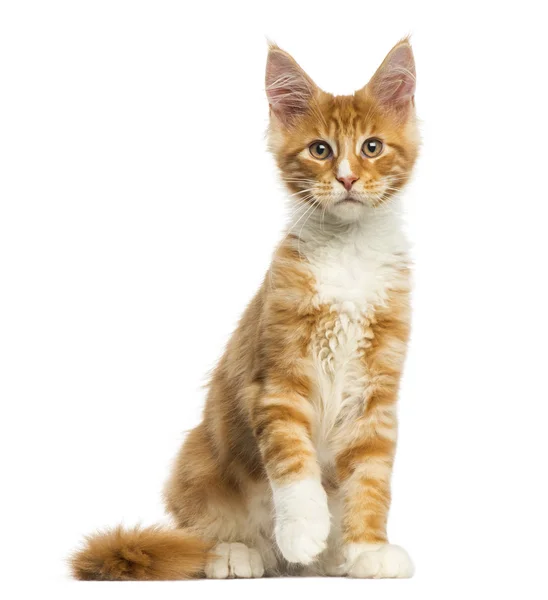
(320, 150)
(372, 147)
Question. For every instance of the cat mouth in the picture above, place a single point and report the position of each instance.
(349, 200)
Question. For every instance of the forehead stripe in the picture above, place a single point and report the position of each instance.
(344, 168)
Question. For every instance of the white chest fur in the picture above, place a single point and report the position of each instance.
(353, 272)
(353, 268)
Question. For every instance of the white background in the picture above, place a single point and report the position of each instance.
(139, 210)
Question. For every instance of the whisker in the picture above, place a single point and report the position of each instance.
(300, 192)
(301, 230)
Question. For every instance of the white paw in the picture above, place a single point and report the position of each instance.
(234, 561)
(302, 520)
(385, 561)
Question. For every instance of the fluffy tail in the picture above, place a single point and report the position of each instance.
(152, 553)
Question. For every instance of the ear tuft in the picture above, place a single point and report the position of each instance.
(288, 87)
(393, 85)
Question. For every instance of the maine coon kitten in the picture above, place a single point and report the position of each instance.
(289, 471)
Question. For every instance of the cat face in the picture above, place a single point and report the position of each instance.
(344, 154)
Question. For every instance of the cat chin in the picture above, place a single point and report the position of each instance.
(349, 211)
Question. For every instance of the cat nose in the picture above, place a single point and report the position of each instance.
(347, 181)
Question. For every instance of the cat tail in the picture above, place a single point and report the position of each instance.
(146, 554)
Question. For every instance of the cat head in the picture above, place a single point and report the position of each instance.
(345, 154)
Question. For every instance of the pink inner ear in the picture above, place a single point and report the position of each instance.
(394, 83)
(288, 88)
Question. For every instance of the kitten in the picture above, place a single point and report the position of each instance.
(289, 471)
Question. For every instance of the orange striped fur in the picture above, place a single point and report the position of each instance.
(289, 471)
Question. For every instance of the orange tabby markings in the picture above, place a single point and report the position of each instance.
(292, 461)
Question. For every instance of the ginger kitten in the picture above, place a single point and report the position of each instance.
(289, 471)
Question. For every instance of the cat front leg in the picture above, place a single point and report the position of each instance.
(365, 468)
(364, 464)
(282, 424)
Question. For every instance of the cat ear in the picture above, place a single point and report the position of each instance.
(288, 88)
(393, 85)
